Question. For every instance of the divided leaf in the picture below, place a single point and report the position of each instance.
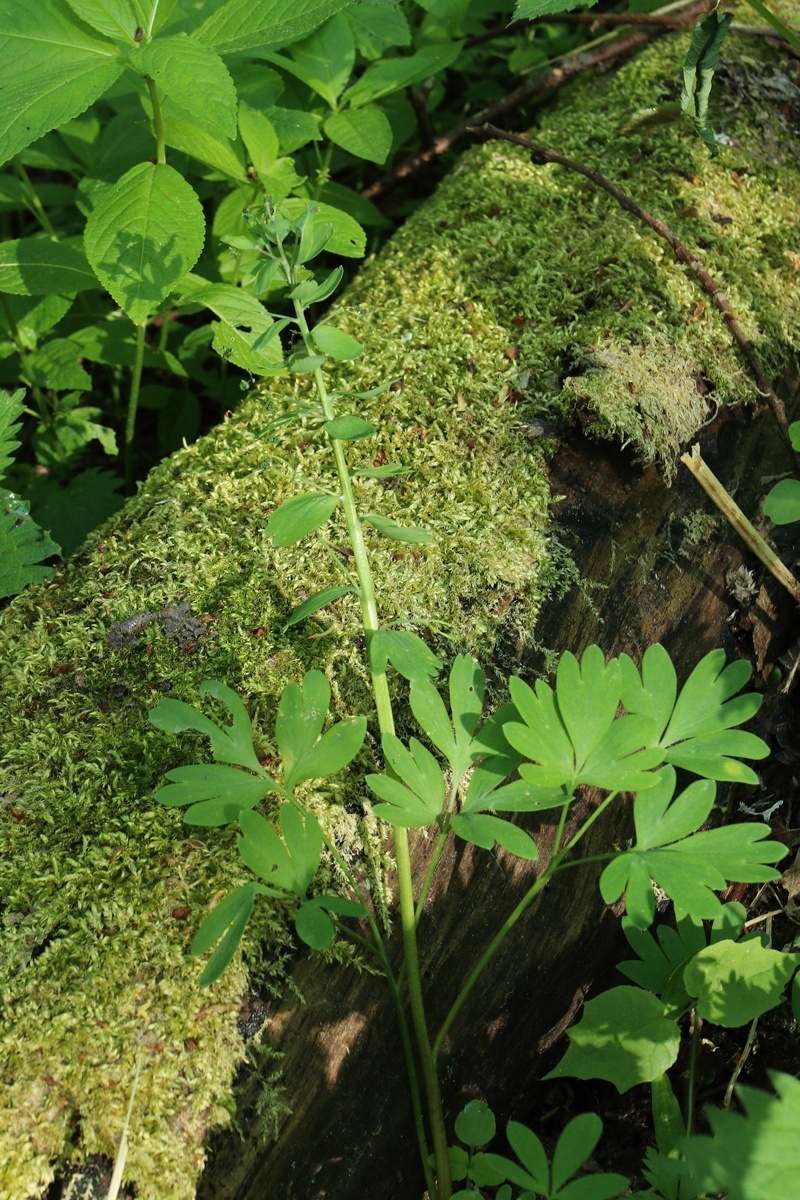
(216, 793)
(298, 725)
(226, 922)
(574, 1147)
(313, 922)
(734, 982)
(290, 861)
(407, 653)
(418, 800)
(23, 546)
(229, 743)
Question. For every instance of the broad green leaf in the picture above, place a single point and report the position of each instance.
(190, 137)
(349, 429)
(229, 743)
(698, 73)
(226, 922)
(245, 24)
(304, 364)
(52, 69)
(348, 201)
(313, 924)
(688, 866)
(183, 70)
(625, 1036)
(316, 602)
(794, 435)
(754, 1154)
(260, 139)
(35, 266)
(55, 365)
(335, 343)
(73, 510)
(475, 1124)
(364, 132)
(734, 982)
(348, 239)
(23, 545)
(290, 861)
(325, 60)
(407, 653)
(327, 287)
(782, 505)
(396, 532)
(484, 830)
(530, 10)
(115, 19)
(391, 75)
(145, 234)
(217, 793)
(298, 517)
(376, 29)
(295, 128)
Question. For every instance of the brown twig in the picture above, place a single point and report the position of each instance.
(542, 155)
(560, 71)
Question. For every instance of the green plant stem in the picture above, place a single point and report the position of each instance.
(437, 851)
(695, 1039)
(776, 23)
(158, 120)
(556, 864)
(133, 402)
(36, 204)
(743, 1057)
(383, 705)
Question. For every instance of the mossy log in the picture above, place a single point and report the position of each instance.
(515, 295)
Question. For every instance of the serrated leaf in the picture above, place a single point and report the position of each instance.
(625, 1036)
(319, 600)
(72, 511)
(229, 743)
(753, 1154)
(298, 517)
(391, 75)
(23, 546)
(245, 24)
(530, 10)
(396, 532)
(55, 366)
(782, 505)
(325, 60)
(53, 68)
(349, 429)
(185, 134)
(35, 266)
(290, 861)
(260, 139)
(335, 343)
(145, 234)
(183, 70)
(407, 653)
(217, 793)
(735, 982)
(11, 410)
(364, 132)
(378, 28)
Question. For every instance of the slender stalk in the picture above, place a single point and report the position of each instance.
(158, 120)
(36, 204)
(695, 1040)
(743, 1057)
(776, 23)
(383, 705)
(437, 852)
(133, 402)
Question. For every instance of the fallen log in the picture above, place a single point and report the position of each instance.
(513, 297)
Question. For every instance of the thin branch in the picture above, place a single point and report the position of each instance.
(542, 155)
(557, 73)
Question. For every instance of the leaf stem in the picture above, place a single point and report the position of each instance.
(158, 120)
(695, 1039)
(36, 204)
(133, 402)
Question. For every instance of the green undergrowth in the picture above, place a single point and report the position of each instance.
(102, 889)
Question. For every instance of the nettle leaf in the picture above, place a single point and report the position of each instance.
(37, 267)
(335, 343)
(377, 29)
(23, 546)
(625, 1036)
(753, 1154)
(324, 61)
(216, 793)
(529, 10)
(290, 861)
(229, 743)
(364, 132)
(225, 924)
(699, 733)
(145, 234)
(184, 70)
(396, 532)
(313, 922)
(407, 653)
(735, 982)
(186, 135)
(53, 68)
(698, 73)
(572, 735)
(301, 715)
(392, 75)
(298, 517)
(260, 139)
(11, 410)
(688, 866)
(319, 600)
(245, 24)
(73, 510)
(418, 800)
(782, 505)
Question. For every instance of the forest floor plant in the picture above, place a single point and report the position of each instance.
(535, 754)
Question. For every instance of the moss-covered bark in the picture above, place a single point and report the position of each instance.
(101, 888)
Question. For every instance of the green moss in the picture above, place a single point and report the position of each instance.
(95, 876)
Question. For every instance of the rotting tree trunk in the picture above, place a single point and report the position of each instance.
(349, 1133)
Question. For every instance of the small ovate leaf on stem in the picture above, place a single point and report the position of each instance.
(388, 471)
(397, 533)
(318, 601)
(349, 429)
(335, 343)
(300, 516)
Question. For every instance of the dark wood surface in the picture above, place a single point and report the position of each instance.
(349, 1134)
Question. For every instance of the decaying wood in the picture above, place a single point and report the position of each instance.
(349, 1133)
